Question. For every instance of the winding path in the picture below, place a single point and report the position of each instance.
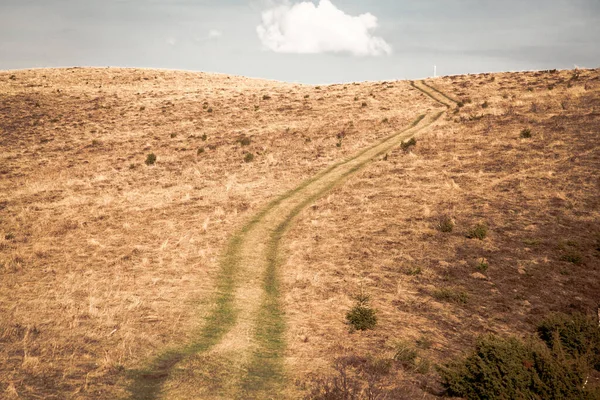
(245, 329)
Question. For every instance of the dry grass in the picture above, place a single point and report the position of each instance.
(106, 261)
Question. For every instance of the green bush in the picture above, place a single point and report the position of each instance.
(248, 157)
(525, 133)
(362, 317)
(479, 231)
(482, 265)
(408, 144)
(451, 295)
(578, 334)
(445, 224)
(405, 354)
(572, 256)
(507, 368)
(150, 159)
(245, 141)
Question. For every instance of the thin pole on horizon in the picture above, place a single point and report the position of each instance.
(435, 71)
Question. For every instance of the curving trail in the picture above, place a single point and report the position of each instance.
(244, 331)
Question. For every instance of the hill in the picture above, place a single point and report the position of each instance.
(109, 258)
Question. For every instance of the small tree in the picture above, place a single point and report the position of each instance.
(362, 317)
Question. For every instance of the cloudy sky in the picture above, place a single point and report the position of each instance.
(319, 41)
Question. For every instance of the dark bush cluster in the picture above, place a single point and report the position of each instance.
(556, 367)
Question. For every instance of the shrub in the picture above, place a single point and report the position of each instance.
(507, 368)
(451, 295)
(200, 150)
(357, 377)
(479, 231)
(445, 224)
(150, 159)
(385, 120)
(578, 334)
(413, 271)
(245, 141)
(209, 110)
(526, 133)
(405, 354)
(204, 137)
(572, 256)
(248, 157)
(485, 104)
(364, 104)
(266, 97)
(362, 317)
(408, 144)
(482, 265)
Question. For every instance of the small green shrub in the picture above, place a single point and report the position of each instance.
(173, 135)
(573, 256)
(200, 150)
(245, 141)
(424, 342)
(150, 159)
(479, 231)
(306, 96)
(204, 137)
(385, 120)
(364, 104)
(578, 334)
(266, 97)
(445, 224)
(482, 265)
(209, 110)
(525, 133)
(405, 354)
(413, 271)
(485, 104)
(362, 317)
(9, 236)
(248, 157)
(408, 144)
(507, 368)
(451, 295)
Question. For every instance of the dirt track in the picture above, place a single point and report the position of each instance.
(244, 332)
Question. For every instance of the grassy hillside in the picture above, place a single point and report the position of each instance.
(107, 259)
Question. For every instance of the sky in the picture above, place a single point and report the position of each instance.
(316, 42)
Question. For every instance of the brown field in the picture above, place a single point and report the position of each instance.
(106, 262)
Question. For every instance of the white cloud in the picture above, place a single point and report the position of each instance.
(214, 34)
(308, 29)
(171, 41)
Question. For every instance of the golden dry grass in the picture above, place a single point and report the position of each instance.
(105, 261)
